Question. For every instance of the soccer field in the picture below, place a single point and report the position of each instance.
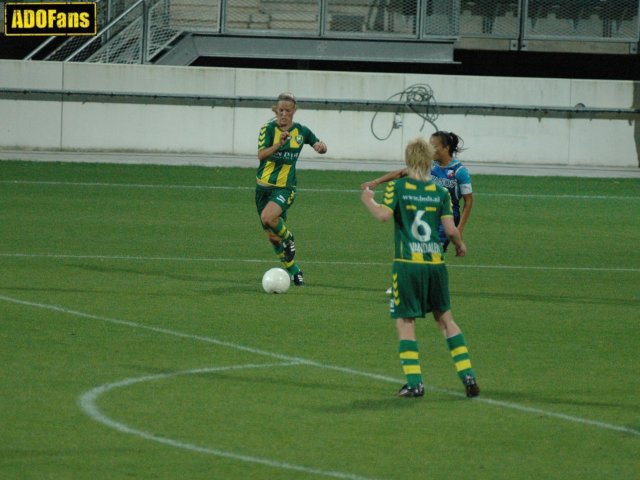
(137, 341)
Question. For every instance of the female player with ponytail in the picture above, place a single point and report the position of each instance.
(448, 172)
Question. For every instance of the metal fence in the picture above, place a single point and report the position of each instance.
(145, 34)
(130, 31)
(332, 18)
(125, 42)
(60, 49)
(582, 19)
(594, 20)
(144, 31)
(587, 20)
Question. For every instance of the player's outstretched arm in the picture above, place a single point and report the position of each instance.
(378, 211)
(387, 177)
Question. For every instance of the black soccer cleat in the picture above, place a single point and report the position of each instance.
(298, 279)
(471, 386)
(417, 391)
(289, 249)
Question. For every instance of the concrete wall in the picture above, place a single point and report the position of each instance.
(73, 126)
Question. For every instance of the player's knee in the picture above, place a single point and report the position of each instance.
(268, 220)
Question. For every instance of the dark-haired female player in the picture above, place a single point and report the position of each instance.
(448, 172)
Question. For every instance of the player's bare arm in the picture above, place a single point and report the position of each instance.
(268, 151)
(380, 212)
(466, 211)
(320, 147)
(387, 177)
(454, 235)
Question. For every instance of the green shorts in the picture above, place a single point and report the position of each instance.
(418, 288)
(284, 197)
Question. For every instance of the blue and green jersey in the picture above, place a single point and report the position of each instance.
(456, 179)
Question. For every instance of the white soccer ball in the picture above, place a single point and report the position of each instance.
(276, 280)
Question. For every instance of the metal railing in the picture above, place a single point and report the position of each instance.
(374, 106)
(319, 18)
(148, 27)
(135, 35)
(140, 33)
(558, 20)
(59, 49)
(592, 20)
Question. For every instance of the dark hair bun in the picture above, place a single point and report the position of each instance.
(453, 141)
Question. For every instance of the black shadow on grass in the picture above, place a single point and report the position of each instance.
(531, 397)
(130, 292)
(230, 285)
(67, 290)
(147, 272)
(352, 393)
(546, 298)
(301, 386)
(374, 405)
(337, 288)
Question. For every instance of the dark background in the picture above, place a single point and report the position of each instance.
(470, 62)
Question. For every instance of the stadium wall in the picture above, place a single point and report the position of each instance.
(65, 125)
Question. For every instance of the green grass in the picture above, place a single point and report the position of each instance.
(115, 273)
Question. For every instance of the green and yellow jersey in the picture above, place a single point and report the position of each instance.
(279, 170)
(417, 209)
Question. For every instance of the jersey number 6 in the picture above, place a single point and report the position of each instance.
(419, 223)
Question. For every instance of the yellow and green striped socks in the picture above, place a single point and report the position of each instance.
(281, 230)
(410, 362)
(291, 266)
(460, 356)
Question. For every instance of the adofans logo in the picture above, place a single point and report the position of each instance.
(77, 18)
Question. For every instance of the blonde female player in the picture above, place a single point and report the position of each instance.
(279, 145)
(419, 275)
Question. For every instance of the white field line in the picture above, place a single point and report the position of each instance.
(307, 362)
(88, 405)
(302, 189)
(313, 262)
